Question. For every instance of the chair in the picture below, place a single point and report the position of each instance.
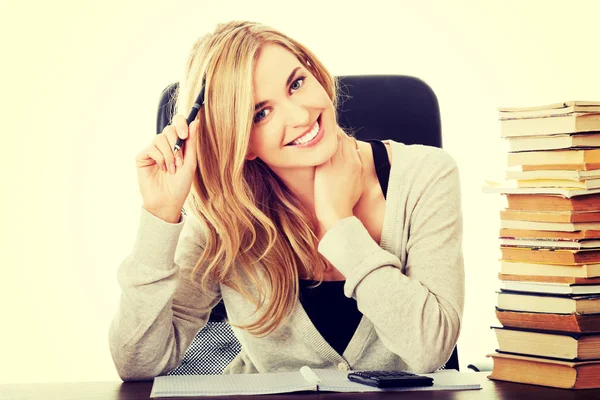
(402, 108)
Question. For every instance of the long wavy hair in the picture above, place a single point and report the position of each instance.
(258, 234)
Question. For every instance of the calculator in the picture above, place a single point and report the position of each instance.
(389, 379)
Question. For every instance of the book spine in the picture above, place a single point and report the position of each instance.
(537, 126)
(589, 323)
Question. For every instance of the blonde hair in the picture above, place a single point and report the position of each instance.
(254, 224)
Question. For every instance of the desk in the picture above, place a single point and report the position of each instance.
(141, 390)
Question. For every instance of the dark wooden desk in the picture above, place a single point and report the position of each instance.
(141, 390)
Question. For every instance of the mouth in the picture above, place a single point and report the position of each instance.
(312, 137)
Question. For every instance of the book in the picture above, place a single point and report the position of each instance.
(572, 280)
(535, 234)
(306, 379)
(574, 175)
(509, 187)
(550, 216)
(549, 303)
(545, 371)
(550, 287)
(573, 167)
(589, 323)
(547, 343)
(559, 183)
(550, 244)
(554, 109)
(549, 226)
(553, 142)
(552, 203)
(556, 270)
(576, 157)
(571, 123)
(550, 256)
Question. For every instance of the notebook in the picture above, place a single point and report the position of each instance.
(306, 379)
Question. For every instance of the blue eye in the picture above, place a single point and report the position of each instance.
(293, 86)
(256, 118)
(298, 80)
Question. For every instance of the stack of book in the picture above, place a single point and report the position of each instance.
(549, 303)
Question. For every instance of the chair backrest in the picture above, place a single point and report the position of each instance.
(398, 107)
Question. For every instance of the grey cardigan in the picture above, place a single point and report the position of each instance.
(409, 287)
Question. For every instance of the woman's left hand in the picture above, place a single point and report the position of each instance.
(338, 183)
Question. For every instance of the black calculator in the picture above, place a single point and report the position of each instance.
(389, 379)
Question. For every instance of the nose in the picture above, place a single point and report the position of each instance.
(296, 115)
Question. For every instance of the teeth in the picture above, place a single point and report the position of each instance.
(309, 136)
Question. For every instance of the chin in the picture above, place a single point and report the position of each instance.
(324, 151)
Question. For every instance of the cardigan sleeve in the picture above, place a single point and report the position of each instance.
(161, 309)
(416, 314)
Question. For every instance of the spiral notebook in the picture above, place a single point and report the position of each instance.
(306, 379)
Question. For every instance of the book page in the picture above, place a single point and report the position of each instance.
(337, 381)
(228, 385)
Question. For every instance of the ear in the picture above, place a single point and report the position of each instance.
(250, 156)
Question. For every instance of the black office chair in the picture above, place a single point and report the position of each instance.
(402, 108)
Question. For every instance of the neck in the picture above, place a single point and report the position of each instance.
(302, 183)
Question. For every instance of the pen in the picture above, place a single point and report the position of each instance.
(195, 108)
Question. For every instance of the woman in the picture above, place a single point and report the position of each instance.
(281, 200)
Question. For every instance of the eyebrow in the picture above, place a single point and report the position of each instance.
(287, 83)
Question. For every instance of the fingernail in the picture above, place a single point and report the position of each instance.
(172, 168)
(178, 161)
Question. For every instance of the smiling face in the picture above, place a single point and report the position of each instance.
(294, 122)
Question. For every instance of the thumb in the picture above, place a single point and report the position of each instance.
(191, 143)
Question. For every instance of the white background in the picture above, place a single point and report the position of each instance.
(80, 83)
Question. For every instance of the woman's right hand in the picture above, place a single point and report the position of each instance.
(164, 179)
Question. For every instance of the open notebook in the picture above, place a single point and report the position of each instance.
(306, 379)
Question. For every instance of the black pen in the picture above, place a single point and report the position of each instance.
(195, 108)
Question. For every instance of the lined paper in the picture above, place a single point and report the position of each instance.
(227, 385)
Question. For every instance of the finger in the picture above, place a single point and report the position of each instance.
(348, 147)
(350, 151)
(171, 134)
(158, 157)
(181, 126)
(357, 150)
(150, 156)
(166, 148)
(180, 131)
(338, 151)
(189, 150)
(354, 144)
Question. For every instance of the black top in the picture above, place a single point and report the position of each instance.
(336, 316)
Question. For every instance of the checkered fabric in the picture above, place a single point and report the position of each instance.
(211, 351)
